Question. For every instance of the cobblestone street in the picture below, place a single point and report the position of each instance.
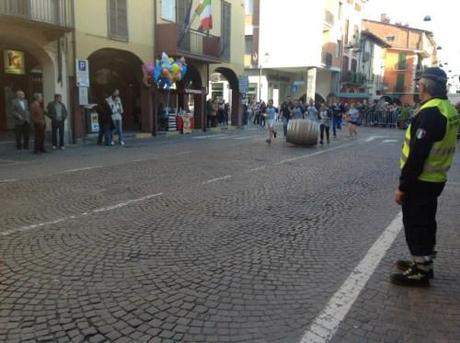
(214, 238)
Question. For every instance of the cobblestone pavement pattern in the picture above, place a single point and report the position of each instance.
(219, 239)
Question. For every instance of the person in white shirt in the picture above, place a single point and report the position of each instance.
(271, 114)
(116, 108)
(353, 121)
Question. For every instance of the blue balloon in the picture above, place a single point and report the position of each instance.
(156, 73)
(184, 70)
(164, 83)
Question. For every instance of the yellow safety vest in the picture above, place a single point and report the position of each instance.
(442, 153)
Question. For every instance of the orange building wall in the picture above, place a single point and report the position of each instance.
(405, 38)
(404, 41)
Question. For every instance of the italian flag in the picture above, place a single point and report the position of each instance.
(204, 10)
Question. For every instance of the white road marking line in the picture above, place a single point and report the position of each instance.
(389, 141)
(373, 138)
(207, 136)
(81, 169)
(246, 137)
(126, 203)
(8, 180)
(451, 183)
(84, 214)
(325, 325)
(226, 177)
(313, 154)
(257, 169)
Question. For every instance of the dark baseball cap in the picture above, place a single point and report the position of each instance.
(435, 74)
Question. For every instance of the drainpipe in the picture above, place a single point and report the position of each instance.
(71, 87)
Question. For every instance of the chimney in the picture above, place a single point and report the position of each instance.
(384, 18)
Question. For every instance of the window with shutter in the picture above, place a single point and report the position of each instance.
(400, 83)
(226, 30)
(118, 19)
(168, 9)
(182, 9)
(402, 61)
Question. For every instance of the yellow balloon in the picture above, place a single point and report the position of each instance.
(175, 68)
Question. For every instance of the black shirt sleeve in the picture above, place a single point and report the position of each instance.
(428, 127)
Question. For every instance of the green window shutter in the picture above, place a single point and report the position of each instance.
(402, 63)
(400, 83)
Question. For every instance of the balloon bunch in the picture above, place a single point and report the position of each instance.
(165, 71)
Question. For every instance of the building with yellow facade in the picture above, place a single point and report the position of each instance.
(117, 37)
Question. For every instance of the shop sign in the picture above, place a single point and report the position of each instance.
(82, 72)
(14, 62)
(94, 122)
(244, 84)
(187, 124)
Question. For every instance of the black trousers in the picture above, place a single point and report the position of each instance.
(419, 218)
(22, 136)
(39, 141)
(55, 127)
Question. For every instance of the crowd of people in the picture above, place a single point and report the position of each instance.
(218, 112)
(332, 116)
(32, 117)
(328, 116)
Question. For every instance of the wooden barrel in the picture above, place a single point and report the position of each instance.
(302, 132)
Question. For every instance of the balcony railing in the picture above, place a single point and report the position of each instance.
(53, 12)
(192, 44)
(353, 78)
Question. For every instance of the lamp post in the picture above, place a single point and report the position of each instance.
(260, 75)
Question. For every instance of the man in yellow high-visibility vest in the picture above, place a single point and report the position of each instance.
(427, 155)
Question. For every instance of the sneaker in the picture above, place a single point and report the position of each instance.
(54, 147)
(268, 141)
(403, 265)
(62, 148)
(412, 277)
(122, 143)
(321, 142)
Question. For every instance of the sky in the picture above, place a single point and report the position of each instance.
(445, 23)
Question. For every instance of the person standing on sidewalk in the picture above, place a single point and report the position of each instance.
(271, 114)
(105, 123)
(22, 120)
(116, 108)
(57, 112)
(427, 155)
(38, 118)
(325, 123)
